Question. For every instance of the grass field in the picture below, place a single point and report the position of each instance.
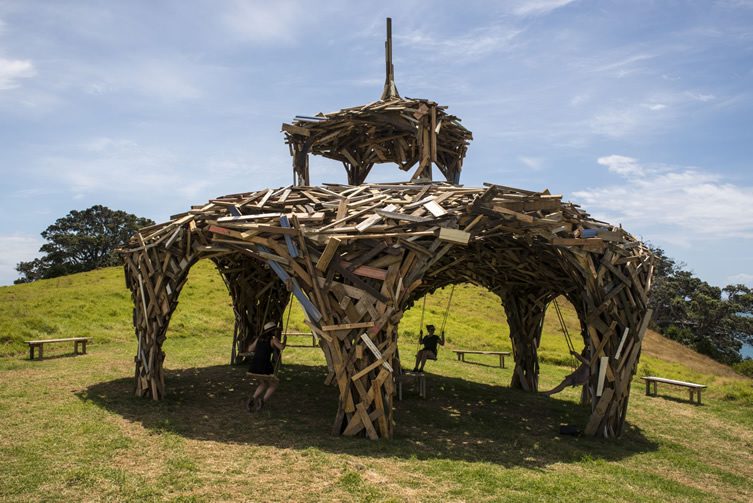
(71, 430)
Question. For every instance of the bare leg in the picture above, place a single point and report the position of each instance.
(251, 403)
(260, 390)
(270, 391)
(424, 356)
(418, 358)
(564, 384)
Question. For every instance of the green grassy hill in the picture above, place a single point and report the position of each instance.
(72, 431)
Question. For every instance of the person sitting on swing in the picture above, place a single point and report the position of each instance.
(577, 378)
(429, 351)
(262, 364)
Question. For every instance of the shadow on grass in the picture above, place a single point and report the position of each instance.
(460, 420)
(676, 399)
(494, 365)
(53, 356)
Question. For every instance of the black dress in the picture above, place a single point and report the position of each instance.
(430, 343)
(261, 362)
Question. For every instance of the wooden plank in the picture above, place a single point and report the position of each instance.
(347, 326)
(329, 251)
(603, 364)
(367, 369)
(435, 209)
(454, 236)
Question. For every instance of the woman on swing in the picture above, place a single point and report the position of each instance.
(429, 351)
(262, 365)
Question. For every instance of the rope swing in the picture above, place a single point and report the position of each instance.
(565, 332)
(447, 310)
(444, 318)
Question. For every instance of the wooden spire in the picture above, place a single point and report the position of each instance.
(390, 89)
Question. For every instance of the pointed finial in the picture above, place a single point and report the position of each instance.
(390, 89)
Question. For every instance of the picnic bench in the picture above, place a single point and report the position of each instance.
(417, 377)
(693, 388)
(462, 352)
(77, 341)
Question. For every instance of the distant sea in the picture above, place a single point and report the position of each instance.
(747, 351)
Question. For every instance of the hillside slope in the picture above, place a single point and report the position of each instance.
(96, 304)
(73, 431)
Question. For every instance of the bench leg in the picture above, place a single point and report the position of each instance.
(699, 396)
(31, 352)
(83, 347)
(40, 352)
(648, 388)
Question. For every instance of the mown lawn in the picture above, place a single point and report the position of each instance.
(71, 429)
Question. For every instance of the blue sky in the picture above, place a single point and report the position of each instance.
(639, 111)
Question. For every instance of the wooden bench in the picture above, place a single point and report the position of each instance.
(40, 345)
(302, 334)
(693, 388)
(462, 352)
(419, 377)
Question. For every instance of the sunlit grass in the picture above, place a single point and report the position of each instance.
(71, 429)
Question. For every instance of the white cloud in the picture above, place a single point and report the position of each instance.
(678, 204)
(16, 248)
(11, 70)
(654, 106)
(539, 7)
(743, 277)
(263, 22)
(626, 166)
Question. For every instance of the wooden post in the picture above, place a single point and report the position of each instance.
(525, 315)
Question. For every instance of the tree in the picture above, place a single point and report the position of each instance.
(82, 241)
(712, 320)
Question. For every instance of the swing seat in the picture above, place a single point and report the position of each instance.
(264, 377)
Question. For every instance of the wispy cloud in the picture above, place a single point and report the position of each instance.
(474, 44)
(539, 7)
(678, 204)
(258, 21)
(107, 167)
(532, 163)
(12, 70)
(16, 248)
(624, 66)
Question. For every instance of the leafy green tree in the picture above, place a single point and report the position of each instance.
(82, 241)
(712, 320)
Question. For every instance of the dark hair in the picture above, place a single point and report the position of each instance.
(430, 327)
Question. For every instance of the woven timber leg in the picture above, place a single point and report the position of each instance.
(616, 323)
(525, 315)
(258, 297)
(155, 277)
(359, 311)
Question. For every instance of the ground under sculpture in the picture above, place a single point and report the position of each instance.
(357, 256)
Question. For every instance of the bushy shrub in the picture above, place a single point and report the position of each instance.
(744, 367)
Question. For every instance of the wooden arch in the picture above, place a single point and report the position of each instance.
(357, 256)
